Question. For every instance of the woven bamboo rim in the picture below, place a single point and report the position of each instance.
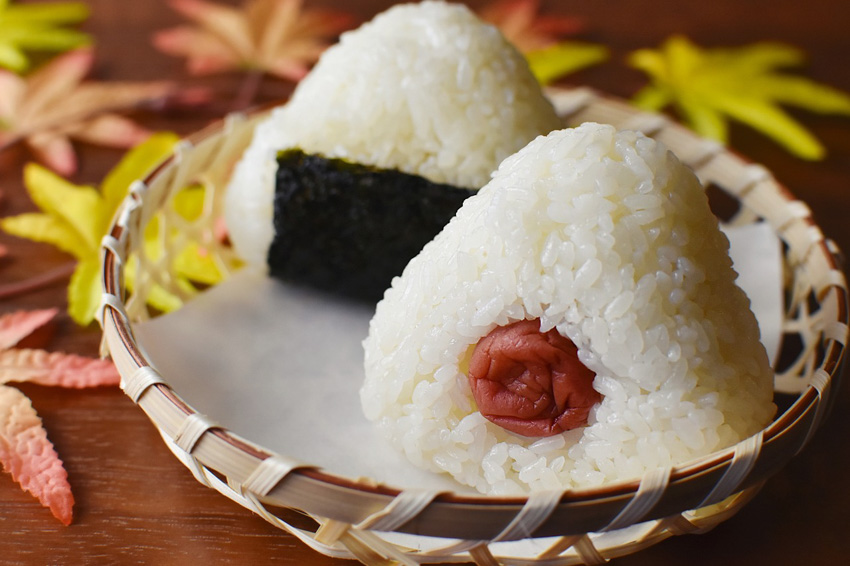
(360, 519)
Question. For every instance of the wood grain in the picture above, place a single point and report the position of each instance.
(136, 504)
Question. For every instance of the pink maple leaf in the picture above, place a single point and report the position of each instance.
(18, 325)
(29, 456)
(56, 368)
(25, 450)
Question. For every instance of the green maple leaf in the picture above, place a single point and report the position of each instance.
(38, 27)
(708, 87)
(75, 218)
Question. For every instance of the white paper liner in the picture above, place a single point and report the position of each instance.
(282, 366)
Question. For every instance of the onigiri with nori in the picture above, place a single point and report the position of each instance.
(424, 90)
(576, 323)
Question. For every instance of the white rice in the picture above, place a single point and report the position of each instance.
(608, 238)
(424, 88)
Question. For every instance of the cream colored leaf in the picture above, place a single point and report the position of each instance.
(55, 151)
(274, 36)
(44, 108)
(91, 99)
(49, 85)
(13, 88)
(229, 24)
(524, 26)
(206, 53)
(109, 130)
(271, 22)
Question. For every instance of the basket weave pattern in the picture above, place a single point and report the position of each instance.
(382, 525)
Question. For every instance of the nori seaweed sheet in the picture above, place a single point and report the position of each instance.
(348, 228)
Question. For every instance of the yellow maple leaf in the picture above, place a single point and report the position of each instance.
(74, 218)
(38, 27)
(551, 63)
(708, 87)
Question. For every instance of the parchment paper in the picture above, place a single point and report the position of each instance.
(282, 366)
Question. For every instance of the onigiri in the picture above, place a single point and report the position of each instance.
(425, 90)
(628, 345)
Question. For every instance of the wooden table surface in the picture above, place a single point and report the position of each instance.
(136, 504)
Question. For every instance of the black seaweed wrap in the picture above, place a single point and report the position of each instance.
(349, 228)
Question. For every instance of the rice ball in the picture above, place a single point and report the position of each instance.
(424, 88)
(607, 239)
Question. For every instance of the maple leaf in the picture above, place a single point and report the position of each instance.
(55, 369)
(25, 451)
(53, 105)
(538, 38)
(708, 87)
(522, 25)
(75, 218)
(551, 63)
(16, 326)
(29, 456)
(37, 27)
(278, 37)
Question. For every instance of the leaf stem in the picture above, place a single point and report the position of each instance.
(248, 90)
(37, 282)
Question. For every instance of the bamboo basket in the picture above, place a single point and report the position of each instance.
(380, 524)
